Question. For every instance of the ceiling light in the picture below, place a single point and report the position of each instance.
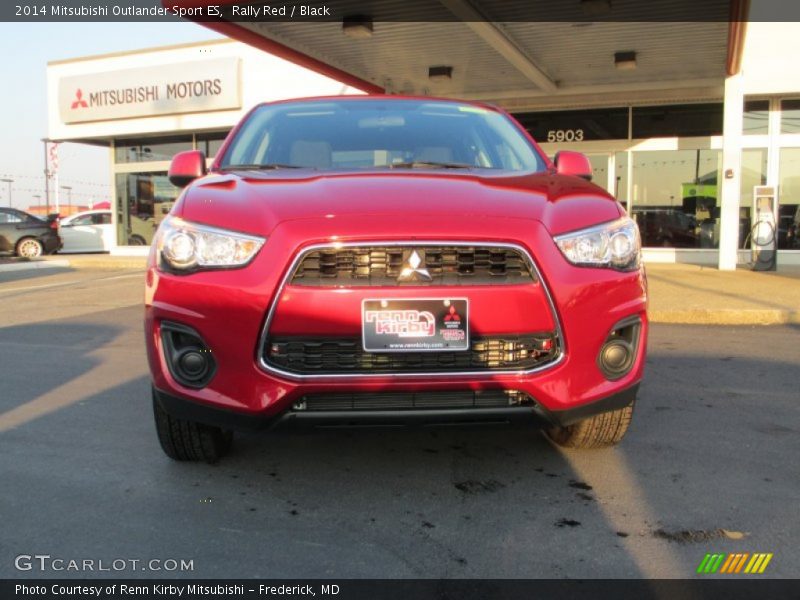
(440, 73)
(357, 26)
(625, 61)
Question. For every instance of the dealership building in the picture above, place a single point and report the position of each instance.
(683, 122)
(147, 105)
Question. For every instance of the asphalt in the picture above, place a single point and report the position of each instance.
(708, 466)
(679, 293)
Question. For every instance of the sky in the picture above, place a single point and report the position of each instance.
(26, 49)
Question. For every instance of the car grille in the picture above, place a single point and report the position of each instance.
(411, 400)
(383, 265)
(305, 356)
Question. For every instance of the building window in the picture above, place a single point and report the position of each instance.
(150, 150)
(681, 120)
(675, 199)
(576, 125)
(790, 116)
(143, 201)
(210, 143)
(756, 117)
(789, 199)
(754, 172)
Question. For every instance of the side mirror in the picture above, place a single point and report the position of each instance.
(186, 167)
(573, 163)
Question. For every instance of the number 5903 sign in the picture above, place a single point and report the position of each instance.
(565, 135)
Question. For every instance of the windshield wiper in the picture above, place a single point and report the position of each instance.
(259, 167)
(427, 164)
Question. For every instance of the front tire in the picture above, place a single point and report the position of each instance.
(29, 248)
(600, 431)
(190, 441)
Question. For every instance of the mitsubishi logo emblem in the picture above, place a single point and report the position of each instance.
(79, 101)
(411, 268)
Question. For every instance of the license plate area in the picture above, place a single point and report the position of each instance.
(415, 325)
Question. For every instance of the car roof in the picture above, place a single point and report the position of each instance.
(363, 97)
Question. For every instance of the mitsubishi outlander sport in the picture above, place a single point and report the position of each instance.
(390, 260)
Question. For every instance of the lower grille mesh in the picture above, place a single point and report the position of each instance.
(304, 355)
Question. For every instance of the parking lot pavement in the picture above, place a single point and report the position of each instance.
(709, 465)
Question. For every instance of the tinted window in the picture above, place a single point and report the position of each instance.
(153, 149)
(380, 133)
(576, 125)
(756, 117)
(790, 116)
(11, 217)
(209, 143)
(101, 218)
(683, 120)
(84, 220)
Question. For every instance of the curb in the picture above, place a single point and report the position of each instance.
(139, 265)
(104, 262)
(36, 264)
(725, 317)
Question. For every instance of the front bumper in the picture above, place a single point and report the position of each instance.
(537, 415)
(229, 310)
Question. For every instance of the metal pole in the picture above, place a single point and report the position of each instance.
(46, 179)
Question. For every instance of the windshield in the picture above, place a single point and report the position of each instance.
(385, 133)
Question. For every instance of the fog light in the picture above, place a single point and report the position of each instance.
(192, 363)
(616, 357)
(618, 353)
(188, 357)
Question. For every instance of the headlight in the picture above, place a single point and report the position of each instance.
(185, 246)
(616, 245)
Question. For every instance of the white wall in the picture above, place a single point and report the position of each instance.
(264, 78)
(770, 57)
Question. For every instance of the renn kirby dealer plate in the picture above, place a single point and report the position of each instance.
(415, 325)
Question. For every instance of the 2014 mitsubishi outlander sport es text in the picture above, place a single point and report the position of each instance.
(390, 260)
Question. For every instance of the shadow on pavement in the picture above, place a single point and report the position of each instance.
(707, 451)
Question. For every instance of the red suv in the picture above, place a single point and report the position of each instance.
(387, 260)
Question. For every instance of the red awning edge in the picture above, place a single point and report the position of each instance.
(736, 30)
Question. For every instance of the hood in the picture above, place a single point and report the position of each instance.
(257, 201)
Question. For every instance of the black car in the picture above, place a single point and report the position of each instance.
(26, 235)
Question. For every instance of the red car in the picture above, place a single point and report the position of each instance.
(387, 260)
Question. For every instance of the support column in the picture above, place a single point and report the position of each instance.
(731, 182)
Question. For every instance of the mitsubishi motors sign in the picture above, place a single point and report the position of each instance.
(198, 86)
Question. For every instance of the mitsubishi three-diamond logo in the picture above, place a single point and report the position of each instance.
(411, 269)
(79, 101)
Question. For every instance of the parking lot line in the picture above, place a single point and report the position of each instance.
(66, 283)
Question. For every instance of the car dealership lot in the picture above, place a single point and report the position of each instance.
(713, 448)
